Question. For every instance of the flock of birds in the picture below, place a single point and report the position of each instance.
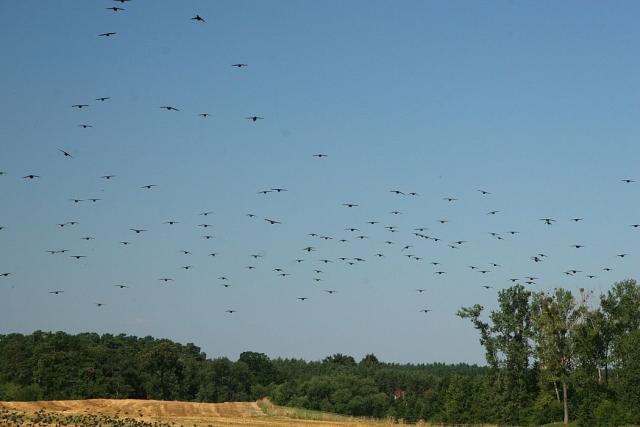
(307, 253)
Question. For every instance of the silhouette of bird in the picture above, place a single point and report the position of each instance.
(31, 176)
(302, 298)
(85, 126)
(115, 9)
(125, 243)
(149, 187)
(548, 221)
(329, 291)
(628, 181)
(169, 108)
(320, 155)
(575, 219)
(231, 311)
(99, 304)
(279, 190)
(487, 286)
(205, 115)
(425, 310)
(107, 177)
(80, 106)
(56, 292)
(492, 212)
(272, 221)
(171, 222)
(350, 205)
(198, 18)
(239, 65)
(77, 256)
(104, 98)
(109, 34)
(421, 290)
(484, 193)
(166, 279)
(206, 213)
(121, 286)
(450, 199)
(254, 118)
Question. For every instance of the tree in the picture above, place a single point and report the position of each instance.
(556, 320)
(508, 349)
(164, 371)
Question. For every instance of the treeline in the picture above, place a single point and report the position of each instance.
(548, 355)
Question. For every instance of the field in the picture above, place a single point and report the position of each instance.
(142, 413)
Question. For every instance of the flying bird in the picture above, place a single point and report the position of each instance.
(272, 221)
(137, 230)
(104, 98)
(114, 8)
(169, 108)
(239, 65)
(109, 34)
(198, 18)
(254, 118)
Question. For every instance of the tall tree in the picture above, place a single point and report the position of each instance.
(508, 349)
(556, 319)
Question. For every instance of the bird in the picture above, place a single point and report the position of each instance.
(577, 246)
(413, 193)
(149, 187)
(250, 215)
(114, 8)
(166, 279)
(320, 155)
(231, 311)
(450, 199)
(254, 118)
(171, 222)
(85, 126)
(185, 252)
(396, 192)
(56, 292)
(125, 243)
(108, 34)
(425, 310)
(5, 274)
(548, 221)
(104, 98)
(80, 106)
(77, 256)
(169, 108)
(107, 177)
(309, 249)
(137, 230)
(31, 176)
(186, 267)
(205, 115)
(421, 290)
(487, 286)
(492, 212)
(575, 219)
(87, 238)
(198, 18)
(302, 298)
(484, 193)
(622, 255)
(279, 190)
(628, 181)
(329, 291)
(77, 200)
(94, 200)
(98, 304)
(350, 205)
(205, 225)
(121, 286)
(272, 221)
(207, 236)
(206, 213)
(239, 65)
(213, 254)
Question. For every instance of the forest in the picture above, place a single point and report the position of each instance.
(550, 356)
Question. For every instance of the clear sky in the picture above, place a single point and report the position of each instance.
(535, 102)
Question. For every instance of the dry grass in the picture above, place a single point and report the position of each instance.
(261, 413)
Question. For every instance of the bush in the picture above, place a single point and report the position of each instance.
(546, 409)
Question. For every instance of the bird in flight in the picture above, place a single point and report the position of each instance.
(56, 292)
(149, 187)
(98, 304)
(31, 176)
(254, 118)
(65, 153)
(487, 287)
(239, 65)
(330, 291)
(279, 190)
(80, 106)
(103, 98)
(171, 222)
(166, 279)
(77, 256)
(231, 311)
(109, 34)
(198, 18)
(205, 115)
(628, 181)
(137, 230)
(425, 310)
(121, 286)
(169, 108)
(85, 126)
(421, 290)
(396, 192)
(107, 177)
(484, 193)
(206, 213)
(575, 219)
(320, 155)
(302, 298)
(548, 221)
(272, 221)
(350, 205)
(114, 8)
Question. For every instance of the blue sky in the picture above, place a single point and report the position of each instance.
(536, 102)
